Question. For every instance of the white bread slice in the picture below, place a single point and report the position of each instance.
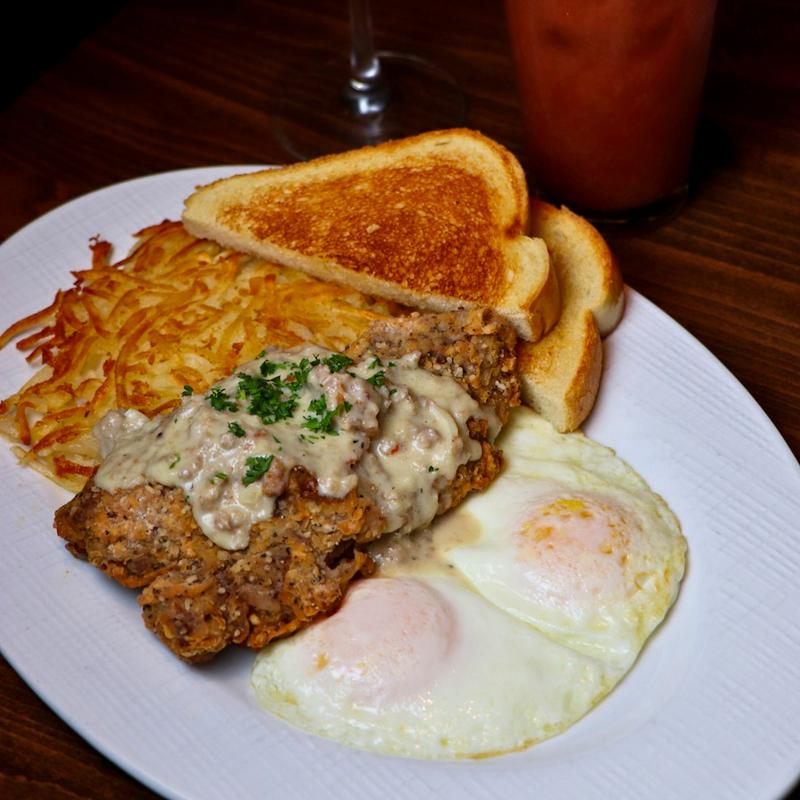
(560, 374)
(434, 221)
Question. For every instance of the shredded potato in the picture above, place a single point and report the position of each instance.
(177, 311)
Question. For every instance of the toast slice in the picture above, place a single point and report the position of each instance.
(434, 221)
(560, 374)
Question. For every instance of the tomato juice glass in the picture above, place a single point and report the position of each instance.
(611, 91)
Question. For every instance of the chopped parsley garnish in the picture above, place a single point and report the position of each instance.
(219, 476)
(271, 367)
(187, 390)
(433, 469)
(256, 467)
(273, 397)
(321, 418)
(236, 429)
(298, 376)
(175, 460)
(337, 362)
(298, 371)
(375, 363)
(219, 400)
(270, 400)
(261, 354)
(378, 379)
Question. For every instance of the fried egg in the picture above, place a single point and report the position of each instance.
(501, 625)
(573, 542)
(424, 667)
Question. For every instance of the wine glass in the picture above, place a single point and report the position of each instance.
(378, 95)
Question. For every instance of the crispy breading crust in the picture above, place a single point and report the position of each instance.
(199, 598)
(475, 347)
(296, 567)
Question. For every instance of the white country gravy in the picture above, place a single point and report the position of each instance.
(425, 551)
(395, 431)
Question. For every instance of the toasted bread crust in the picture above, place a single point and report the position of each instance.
(593, 267)
(560, 375)
(434, 221)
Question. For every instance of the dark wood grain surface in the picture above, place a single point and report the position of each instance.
(161, 85)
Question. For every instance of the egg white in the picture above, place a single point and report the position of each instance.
(573, 542)
(422, 666)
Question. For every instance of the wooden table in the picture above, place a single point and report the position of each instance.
(158, 86)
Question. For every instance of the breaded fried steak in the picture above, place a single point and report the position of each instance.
(246, 512)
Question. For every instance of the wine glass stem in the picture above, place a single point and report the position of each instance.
(365, 68)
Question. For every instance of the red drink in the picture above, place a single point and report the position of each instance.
(611, 90)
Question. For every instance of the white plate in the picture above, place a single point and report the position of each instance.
(710, 710)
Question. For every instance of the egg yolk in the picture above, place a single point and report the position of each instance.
(388, 641)
(572, 551)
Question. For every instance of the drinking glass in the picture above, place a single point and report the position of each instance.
(611, 92)
(372, 97)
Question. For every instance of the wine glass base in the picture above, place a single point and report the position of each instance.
(312, 117)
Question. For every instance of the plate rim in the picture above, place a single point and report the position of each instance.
(38, 685)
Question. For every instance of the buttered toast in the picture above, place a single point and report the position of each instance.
(434, 221)
(560, 374)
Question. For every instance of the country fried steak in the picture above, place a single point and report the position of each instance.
(199, 597)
